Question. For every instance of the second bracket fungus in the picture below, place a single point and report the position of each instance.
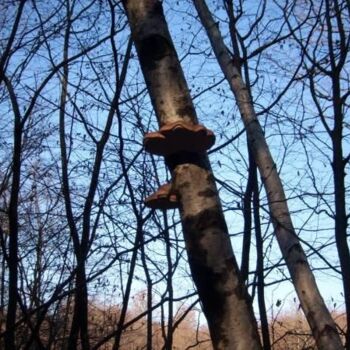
(163, 198)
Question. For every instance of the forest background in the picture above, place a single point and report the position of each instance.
(74, 174)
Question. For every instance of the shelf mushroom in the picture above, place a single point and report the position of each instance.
(173, 138)
(179, 136)
(163, 198)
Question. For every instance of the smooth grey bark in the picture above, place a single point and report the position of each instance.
(224, 298)
(338, 95)
(321, 323)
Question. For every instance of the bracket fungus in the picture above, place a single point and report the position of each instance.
(179, 136)
(163, 198)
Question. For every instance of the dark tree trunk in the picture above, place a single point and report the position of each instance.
(341, 218)
(10, 335)
(260, 262)
(13, 240)
(247, 215)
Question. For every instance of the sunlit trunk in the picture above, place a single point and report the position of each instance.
(316, 312)
(224, 298)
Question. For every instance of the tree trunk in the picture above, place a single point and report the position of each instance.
(247, 216)
(10, 335)
(316, 312)
(264, 323)
(225, 300)
(80, 311)
(341, 218)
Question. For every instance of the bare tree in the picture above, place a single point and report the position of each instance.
(311, 301)
(214, 269)
(325, 61)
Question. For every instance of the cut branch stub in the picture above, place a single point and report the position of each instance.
(163, 198)
(179, 136)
